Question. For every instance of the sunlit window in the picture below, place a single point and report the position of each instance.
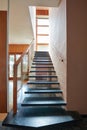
(43, 21)
(11, 63)
(43, 39)
(42, 30)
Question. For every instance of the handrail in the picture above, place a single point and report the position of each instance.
(21, 57)
(15, 75)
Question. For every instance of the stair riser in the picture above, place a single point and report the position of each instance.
(42, 92)
(42, 67)
(42, 76)
(42, 61)
(44, 83)
(36, 71)
(41, 58)
(27, 105)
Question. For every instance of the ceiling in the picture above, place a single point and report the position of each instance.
(20, 27)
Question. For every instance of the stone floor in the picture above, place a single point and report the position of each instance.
(81, 126)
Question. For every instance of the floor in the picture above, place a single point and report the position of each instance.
(2, 116)
(81, 126)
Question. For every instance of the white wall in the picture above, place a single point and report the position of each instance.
(32, 11)
(20, 27)
(72, 73)
(57, 18)
(3, 4)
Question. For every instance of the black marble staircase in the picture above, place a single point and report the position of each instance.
(43, 106)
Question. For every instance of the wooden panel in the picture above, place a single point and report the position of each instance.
(3, 67)
(42, 12)
(17, 48)
(77, 55)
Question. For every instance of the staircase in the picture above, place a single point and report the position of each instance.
(43, 106)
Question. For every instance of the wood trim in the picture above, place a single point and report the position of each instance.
(17, 48)
(3, 61)
(13, 53)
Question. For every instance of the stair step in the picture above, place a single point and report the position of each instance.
(42, 82)
(41, 71)
(42, 63)
(35, 58)
(42, 76)
(42, 58)
(42, 67)
(43, 101)
(40, 91)
(42, 55)
(44, 87)
(42, 118)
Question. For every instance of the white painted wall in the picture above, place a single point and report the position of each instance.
(3, 4)
(20, 27)
(57, 18)
(32, 11)
(74, 43)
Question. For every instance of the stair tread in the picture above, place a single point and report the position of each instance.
(42, 71)
(42, 82)
(42, 76)
(42, 55)
(43, 101)
(42, 67)
(42, 60)
(39, 90)
(42, 63)
(38, 117)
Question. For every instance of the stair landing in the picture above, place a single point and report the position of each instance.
(41, 118)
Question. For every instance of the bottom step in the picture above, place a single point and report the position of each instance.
(43, 101)
(43, 118)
